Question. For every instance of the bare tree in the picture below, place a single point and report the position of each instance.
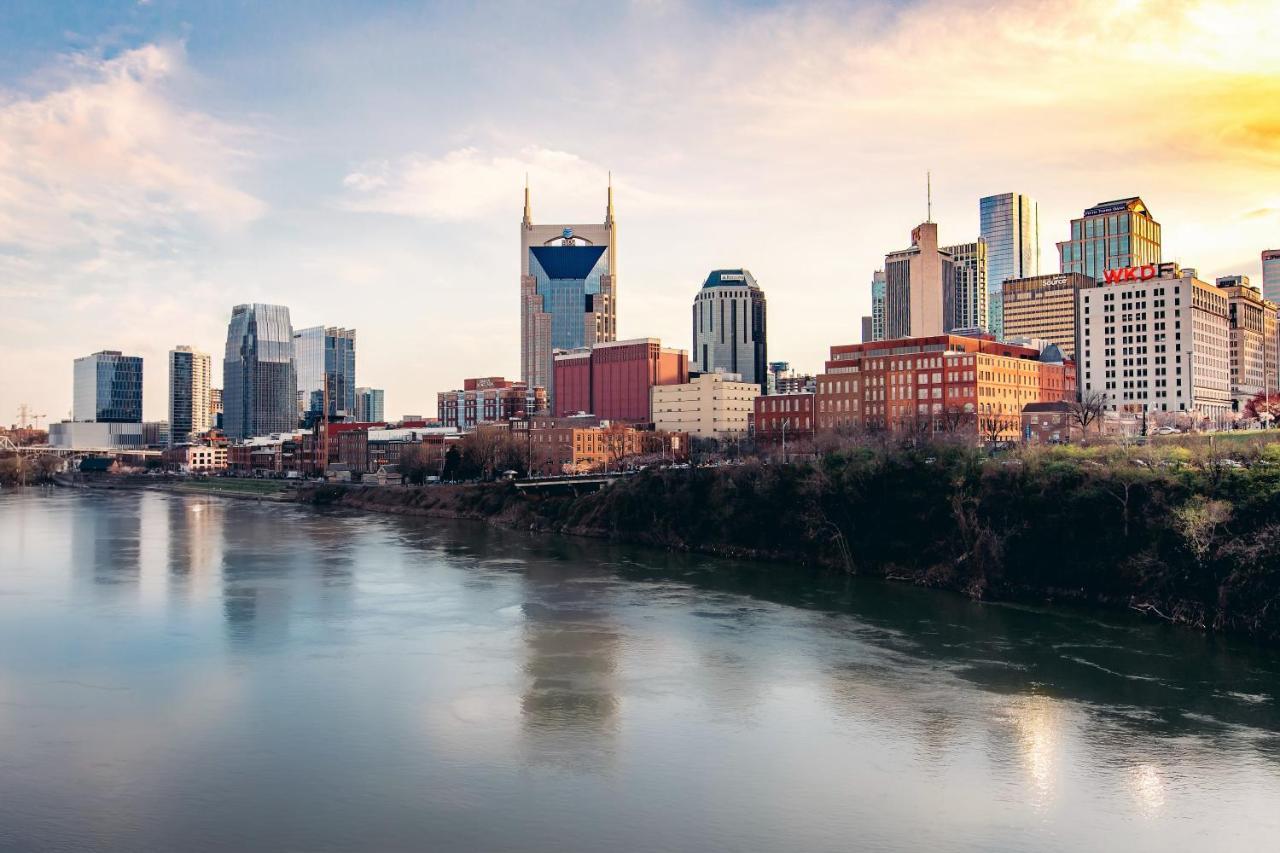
(954, 419)
(1087, 408)
(1200, 520)
(994, 425)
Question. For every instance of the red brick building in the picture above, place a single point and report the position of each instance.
(1050, 423)
(939, 383)
(612, 380)
(488, 399)
(794, 410)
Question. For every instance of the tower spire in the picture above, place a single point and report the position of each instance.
(528, 215)
(608, 210)
(928, 190)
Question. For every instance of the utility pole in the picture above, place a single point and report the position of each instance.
(786, 422)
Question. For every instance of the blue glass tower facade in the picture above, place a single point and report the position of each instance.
(260, 385)
(1010, 225)
(108, 388)
(567, 277)
(325, 357)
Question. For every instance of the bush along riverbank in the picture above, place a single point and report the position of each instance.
(1194, 544)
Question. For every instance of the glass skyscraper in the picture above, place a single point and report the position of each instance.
(877, 305)
(1271, 275)
(1010, 225)
(965, 300)
(108, 388)
(369, 405)
(259, 382)
(1111, 235)
(189, 407)
(325, 358)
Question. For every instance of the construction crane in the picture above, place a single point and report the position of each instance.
(26, 416)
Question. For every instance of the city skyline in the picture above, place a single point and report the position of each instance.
(236, 191)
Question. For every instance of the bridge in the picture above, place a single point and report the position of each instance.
(569, 484)
(32, 451)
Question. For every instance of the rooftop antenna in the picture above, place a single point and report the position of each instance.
(608, 214)
(528, 217)
(928, 189)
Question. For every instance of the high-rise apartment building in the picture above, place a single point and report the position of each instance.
(1111, 235)
(325, 359)
(568, 291)
(215, 407)
(1010, 225)
(877, 305)
(189, 407)
(259, 381)
(370, 406)
(916, 281)
(1271, 275)
(612, 380)
(729, 326)
(108, 388)
(965, 299)
(1252, 323)
(1157, 342)
(1043, 307)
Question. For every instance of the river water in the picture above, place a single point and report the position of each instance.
(195, 674)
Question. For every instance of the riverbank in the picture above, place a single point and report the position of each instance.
(1193, 544)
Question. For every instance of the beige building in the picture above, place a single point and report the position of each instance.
(199, 459)
(1253, 340)
(713, 405)
(190, 411)
(1043, 307)
(1157, 344)
(916, 284)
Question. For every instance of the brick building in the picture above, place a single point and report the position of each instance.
(772, 411)
(940, 383)
(613, 380)
(488, 399)
(1050, 423)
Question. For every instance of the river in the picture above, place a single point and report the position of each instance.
(199, 674)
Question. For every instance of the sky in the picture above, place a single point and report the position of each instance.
(364, 163)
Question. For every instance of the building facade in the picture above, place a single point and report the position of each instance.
(574, 446)
(189, 399)
(612, 380)
(965, 299)
(1111, 235)
(1156, 343)
(1252, 323)
(107, 388)
(711, 405)
(916, 280)
(877, 305)
(97, 435)
(260, 386)
(1010, 226)
(215, 408)
(1050, 423)
(568, 291)
(1271, 275)
(789, 416)
(729, 326)
(487, 399)
(939, 384)
(325, 360)
(370, 405)
(1043, 307)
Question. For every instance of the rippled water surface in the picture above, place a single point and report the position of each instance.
(197, 674)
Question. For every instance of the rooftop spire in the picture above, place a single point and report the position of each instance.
(928, 190)
(608, 211)
(528, 215)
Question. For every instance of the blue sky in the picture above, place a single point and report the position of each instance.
(364, 163)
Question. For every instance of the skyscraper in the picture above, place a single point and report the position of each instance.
(965, 297)
(189, 404)
(916, 280)
(729, 326)
(108, 388)
(260, 384)
(369, 405)
(325, 358)
(877, 305)
(1010, 225)
(1111, 235)
(568, 291)
(1271, 275)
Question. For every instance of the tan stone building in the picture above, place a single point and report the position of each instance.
(1253, 340)
(1043, 307)
(916, 283)
(713, 405)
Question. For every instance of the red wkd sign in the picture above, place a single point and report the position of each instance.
(1141, 273)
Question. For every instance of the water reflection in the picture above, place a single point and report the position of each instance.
(107, 542)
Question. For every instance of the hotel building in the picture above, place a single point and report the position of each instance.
(1252, 323)
(916, 281)
(1156, 344)
(1111, 235)
(1043, 307)
(729, 326)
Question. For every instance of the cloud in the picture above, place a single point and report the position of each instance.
(106, 161)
